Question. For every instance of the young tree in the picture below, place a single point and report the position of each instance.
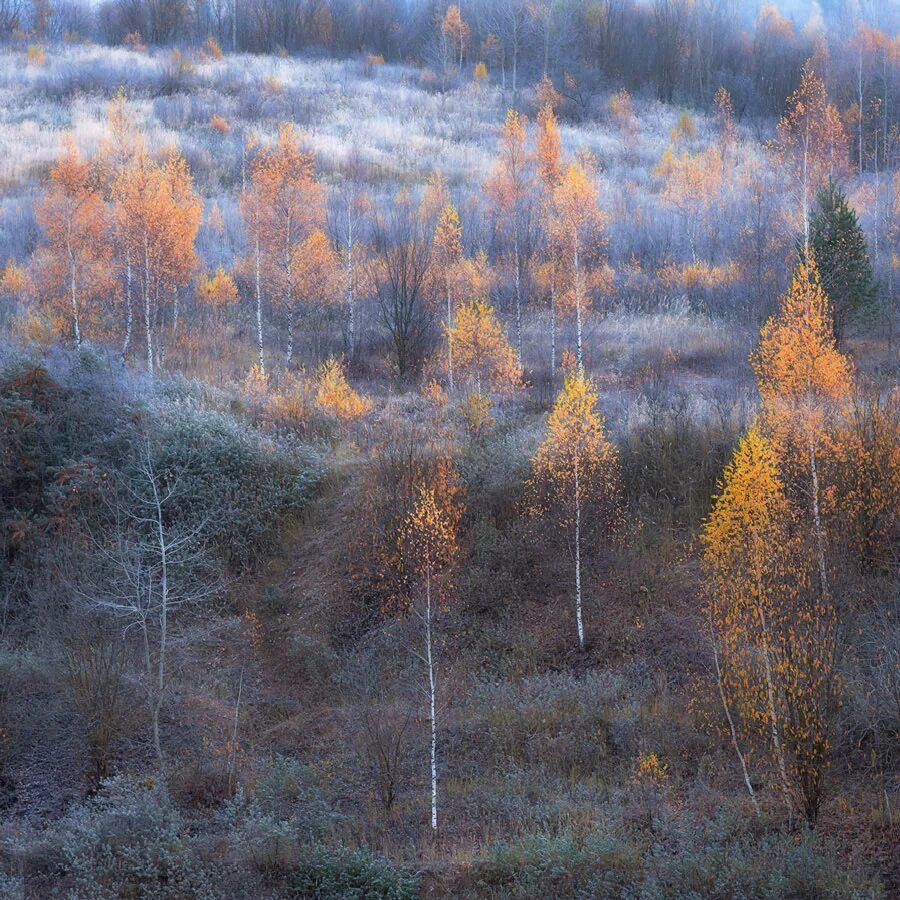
(811, 145)
(839, 248)
(335, 395)
(429, 548)
(117, 152)
(151, 564)
(456, 31)
(158, 215)
(351, 211)
(401, 274)
(448, 251)
(778, 636)
(577, 225)
(316, 281)
(282, 204)
(805, 384)
(749, 519)
(75, 263)
(575, 475)
(483, 354)
(550, 172)
(509, 189)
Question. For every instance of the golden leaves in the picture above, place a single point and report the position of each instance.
(335, 395)
(481, 352)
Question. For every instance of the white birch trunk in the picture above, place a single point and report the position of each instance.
(578, 617)
(432, 718)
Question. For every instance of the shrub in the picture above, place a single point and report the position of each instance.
(340, 874)
(211, 46)
(230, 475)
(127, 841)
(219, 124)
(558, 866)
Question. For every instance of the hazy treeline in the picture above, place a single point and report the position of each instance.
(681, 51)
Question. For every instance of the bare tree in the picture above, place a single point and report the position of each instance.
(402, 264)
(151, 564)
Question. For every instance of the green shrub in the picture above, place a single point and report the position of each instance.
(340, 874)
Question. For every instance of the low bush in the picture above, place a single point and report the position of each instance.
(340, 874)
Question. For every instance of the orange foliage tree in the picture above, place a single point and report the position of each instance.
(777, 636)
(811, 145)
(575, 477)
(508, 189)
(315, 280)
(550, 273)
(805, 384)
(484, 357)
(428, 546)
(448, 251)
(158, 216)
(282, 204)
(577, 226)
(335, 395)
(456, 30)
(74, 265)
(118, 150)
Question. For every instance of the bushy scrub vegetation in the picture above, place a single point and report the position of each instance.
(448, 451)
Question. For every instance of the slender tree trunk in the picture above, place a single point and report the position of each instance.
(817, 519)
(351, 323)
(449, 340)
(148, 325)
(163, 623)
(773, 715)
(518, 279)
(290, 339)
(232, 768)
(553, 331)
(578, 322)
(578, 618)
(129, 310)
(432, 719)
(76, 325)
(859, 85)
(731, 728)
(259, 320)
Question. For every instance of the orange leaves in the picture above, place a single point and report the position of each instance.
(481, 352)
(13, 279)
(74, 266)
(283, 205)
(575, 453)
(801, 374)
(749, 515)
(508, 185)
(159, 215)
(428, 535)
(811, 144)
(549, 149)
(335, 396)
(315, 269)
(218, 291)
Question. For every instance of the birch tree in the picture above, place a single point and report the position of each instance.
(805, 383)
(429, 548)
(577, 226)
(150, 565)
(74, 264)
(509, 189)
(575, 479)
